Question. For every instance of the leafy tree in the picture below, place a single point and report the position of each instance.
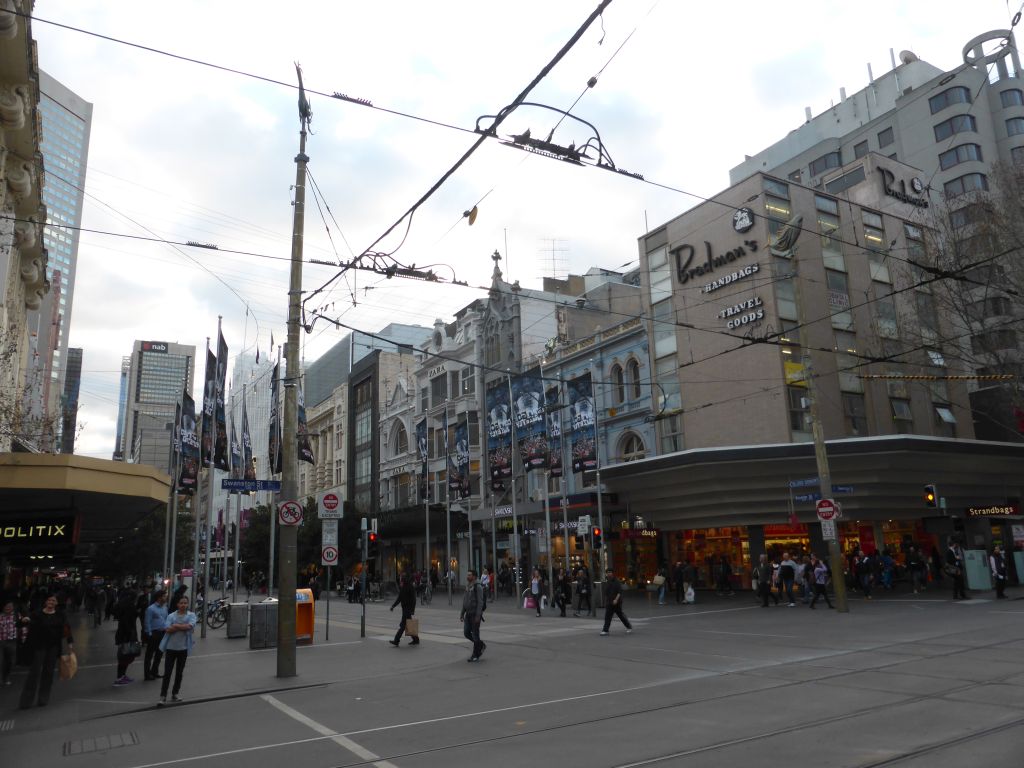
(140, 552)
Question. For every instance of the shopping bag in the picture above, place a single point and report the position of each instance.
(690, 595)
(68, 665)
(412, 627)
(529, 603)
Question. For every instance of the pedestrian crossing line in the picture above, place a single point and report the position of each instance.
(342, 741)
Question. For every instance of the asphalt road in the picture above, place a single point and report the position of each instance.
(901, 680)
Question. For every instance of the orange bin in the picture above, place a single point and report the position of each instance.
(305, 610)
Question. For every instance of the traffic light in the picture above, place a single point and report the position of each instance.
(581, 542)
(371, 545)
(595, 537)
(931, 496)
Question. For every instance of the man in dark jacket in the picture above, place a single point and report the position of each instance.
(472, 613)
(763, 574)
(679, 582)
(407, 599)
(613, 603)
(955, 568)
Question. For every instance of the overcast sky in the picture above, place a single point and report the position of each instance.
(192, 153)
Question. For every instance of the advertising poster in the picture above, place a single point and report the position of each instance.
(459, 479)
(552, 397)
(421, 442)
(209, 404)
(581, 420)
(189, 446)
(499, 433)
(220, 440)
(305, 449)
(248, 470)
(531, 428)
(236, 455)
(274, 445)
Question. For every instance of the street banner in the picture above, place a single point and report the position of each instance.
(460, 460)
(189, 446)
(209, 405)
(220, 440)
(236, 454)
(552, 398)
(499, 432)
(274, 451)
(176, 431)
(248, 470)
(528, 412)
(581, 414)
(421, 442)
(304, 446)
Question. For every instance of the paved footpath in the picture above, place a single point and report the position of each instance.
(908, 680)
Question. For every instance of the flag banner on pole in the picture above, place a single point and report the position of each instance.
(459, 479)
(554, 419)
(275, 422)
(220, 440)
(248, 470)
(189, 446)
(209, 404)
(176, 431)
(499, 432)
(531, 428)
(236, 453)
(421, 441)
(304, 446)
(581, 413)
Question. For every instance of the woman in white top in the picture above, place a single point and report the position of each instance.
(536, 588)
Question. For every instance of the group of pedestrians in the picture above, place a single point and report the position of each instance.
(780, 580)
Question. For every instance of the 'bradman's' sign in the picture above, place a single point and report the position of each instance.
(686, 270)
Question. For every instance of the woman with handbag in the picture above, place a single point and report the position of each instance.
(126, 638)
(47, 629)
(661, 582)
(176, 645)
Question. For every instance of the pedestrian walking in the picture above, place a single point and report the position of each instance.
(126, 638)
(563, 591)
(997, 563)
(153, 626)
(955, 568)
(763, 574)
(806, 578)
(661, 582)
(47, 629)
(613, 603)
(582, 589)
(678, 582)
(864, 569)
(787, 575)
(471, 614)
(918, 568)
(689, 581)
(821, 575)
(724, 576)
(536, 588)
(176, 646)
(407, 599)
(10, 622)
(100, 604)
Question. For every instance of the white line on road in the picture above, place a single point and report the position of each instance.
(342, 741)
(745, 634)
(698, 614)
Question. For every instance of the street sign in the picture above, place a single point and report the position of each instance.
(329, 506)
(583, 523)
(329, 556)
(828, 530)
(250, 485)
(826, 509)
(289, 513)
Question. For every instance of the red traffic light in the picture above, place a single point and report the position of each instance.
(597, 531)
(371, 537)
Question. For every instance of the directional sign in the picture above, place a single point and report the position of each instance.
(329, 506)
(250, 485)
(826, 509)
(828, 530)
(289, 513)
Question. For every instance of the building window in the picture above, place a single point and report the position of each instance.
(438, 390)
(618, 384)
(860, 149)
(993, 341)
(969, 182)
(961, 154)
(777, 188)
(671, 429)
(828, 225)
(778, 211)
(855, 415)
(847, 362)
(885, 138)
(1017, 155)
(1015, 126)
(661, 275)
(796, 176)
(799, 415)
(666, 371)
(1012, 98)
(785, 289)
(885, 311)
(633, 373)
(902, 418)
(927, 316)
(825, 162)
(664, 329)
(399, 441)
(945, 421)
(468, 381)
(955, 124)
(424, 399)
(632, 447)
(839, 299)
(955, 95)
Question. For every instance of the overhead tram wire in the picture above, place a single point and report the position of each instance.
(482, 137)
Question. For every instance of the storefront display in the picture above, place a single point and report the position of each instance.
(704, 550)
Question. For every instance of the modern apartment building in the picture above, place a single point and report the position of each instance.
(158, 374)
(66, 123)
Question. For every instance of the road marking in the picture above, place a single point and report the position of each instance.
(342, 741)
(745, 634)
(698, 614)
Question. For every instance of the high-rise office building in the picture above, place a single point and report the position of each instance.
(66, 121)
(122, 408)
(69, 400)
(159, 372)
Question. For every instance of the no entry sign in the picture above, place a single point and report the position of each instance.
(826, 509)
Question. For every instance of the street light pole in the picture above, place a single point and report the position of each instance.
(287, 540)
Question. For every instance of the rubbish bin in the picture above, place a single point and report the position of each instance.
(238, 619)
(263, 624)
(304, 616)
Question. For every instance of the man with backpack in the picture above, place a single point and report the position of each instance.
(472, 614)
